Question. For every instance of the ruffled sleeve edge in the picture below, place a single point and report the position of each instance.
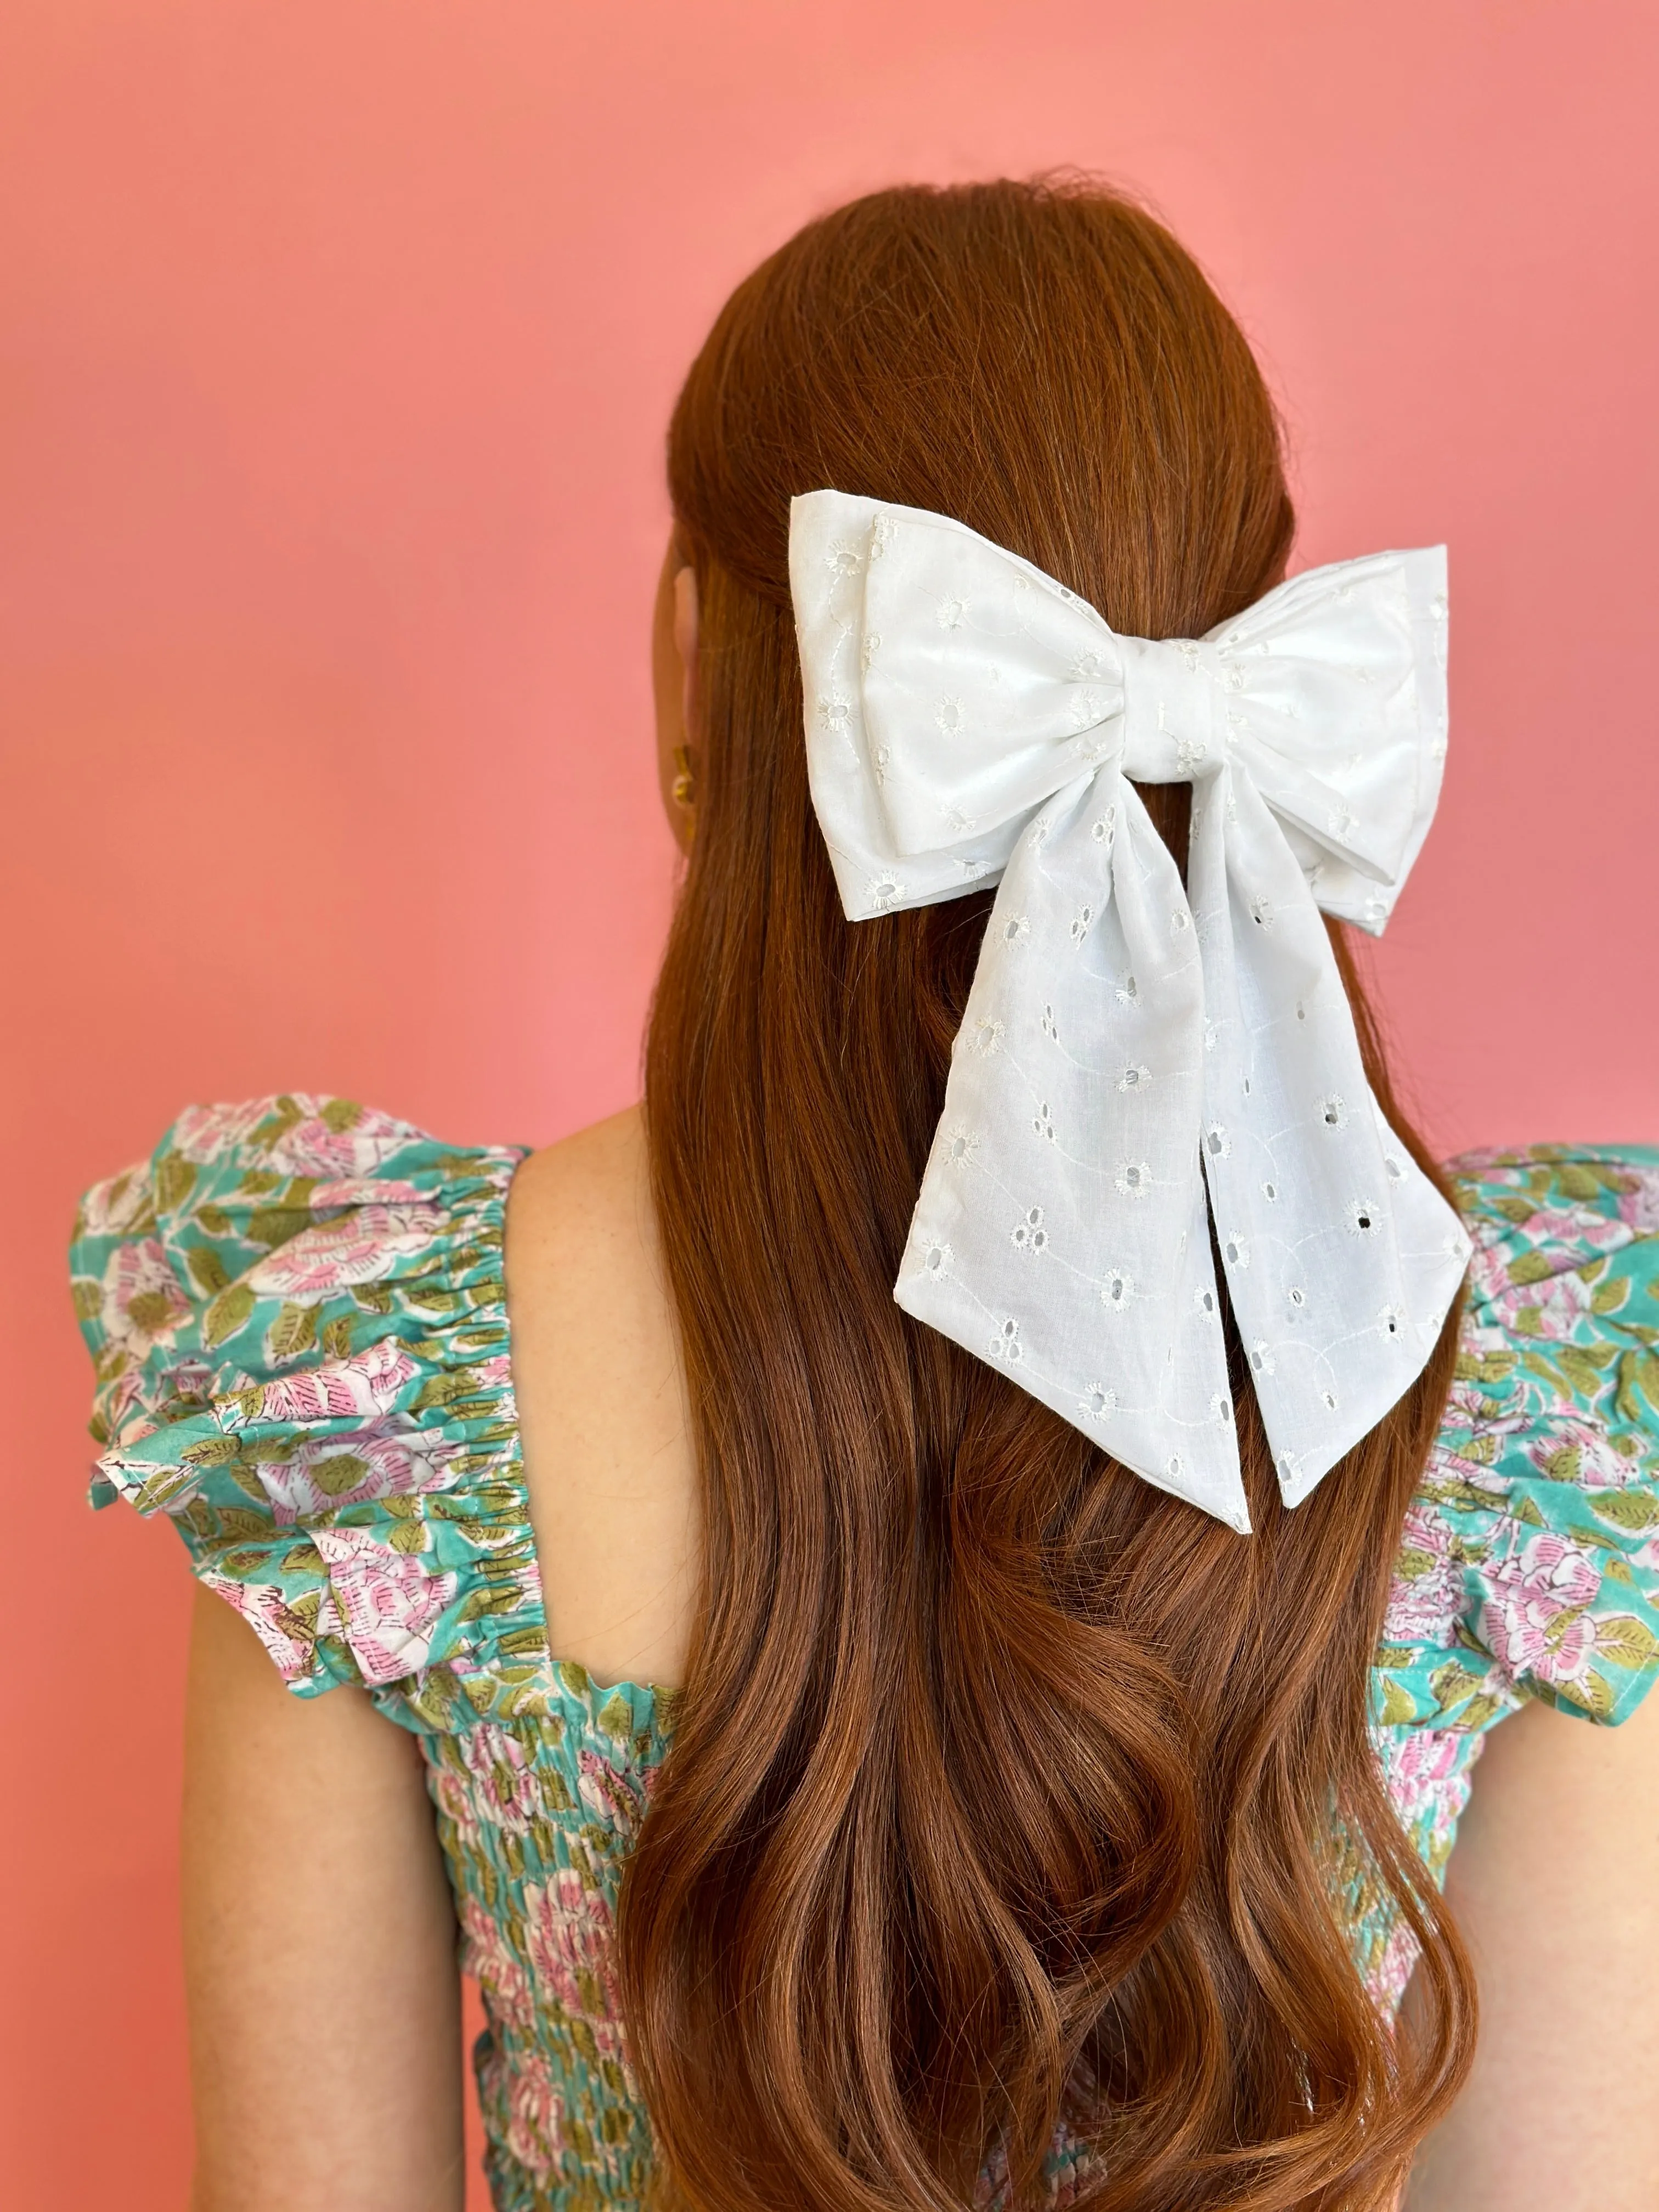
(297, 1312)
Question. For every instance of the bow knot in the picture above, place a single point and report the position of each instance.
(1179, 707)
(1144, 1063)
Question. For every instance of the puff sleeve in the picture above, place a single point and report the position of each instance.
(296, 1314)
(1530, 1566)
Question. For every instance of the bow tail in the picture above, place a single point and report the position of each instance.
(1341, 1257)
(1061, 1229)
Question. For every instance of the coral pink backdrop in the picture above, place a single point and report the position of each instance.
(337, 342)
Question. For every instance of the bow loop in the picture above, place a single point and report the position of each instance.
(1140, 1069)
(984, 685)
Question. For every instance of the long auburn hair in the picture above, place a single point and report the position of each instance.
(1005, 1792)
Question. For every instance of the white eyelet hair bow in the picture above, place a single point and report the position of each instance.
(1127, 1041)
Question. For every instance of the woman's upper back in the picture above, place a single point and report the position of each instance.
(299, 1312)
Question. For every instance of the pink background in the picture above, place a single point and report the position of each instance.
(337, 346)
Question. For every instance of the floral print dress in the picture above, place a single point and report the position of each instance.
(297, 1315)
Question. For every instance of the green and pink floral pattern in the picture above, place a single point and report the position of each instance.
(297, 1319)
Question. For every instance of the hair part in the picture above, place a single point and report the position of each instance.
(1007, 1795)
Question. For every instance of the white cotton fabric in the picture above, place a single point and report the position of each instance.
(1138, 1061)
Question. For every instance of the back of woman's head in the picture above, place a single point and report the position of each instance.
(1007, 1795)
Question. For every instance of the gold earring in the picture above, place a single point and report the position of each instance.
(683, 789)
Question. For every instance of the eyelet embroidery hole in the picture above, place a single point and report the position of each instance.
(1261, 1358)
(1099, 1401)
(1006, 1344)
(1029, 1235)
(1235, 1251)
(1363, 1214)
(1270, 1190)
(1117, 1290)
(1217, 1143)
(1016, 929)
(1133, 1078)
(936, 1260)
(1333, 1112)
(1134, 1178)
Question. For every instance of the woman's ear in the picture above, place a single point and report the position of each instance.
(674, 685)
(685, 644)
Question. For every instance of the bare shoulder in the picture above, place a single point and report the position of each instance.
(1555, 1882)
(601, 1404)
(598, 1171)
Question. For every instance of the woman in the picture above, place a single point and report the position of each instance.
(871, 1763)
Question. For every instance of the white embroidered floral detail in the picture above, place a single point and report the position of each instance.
(1029, 1235)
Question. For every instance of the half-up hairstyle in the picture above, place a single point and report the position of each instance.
(1008, 1795)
